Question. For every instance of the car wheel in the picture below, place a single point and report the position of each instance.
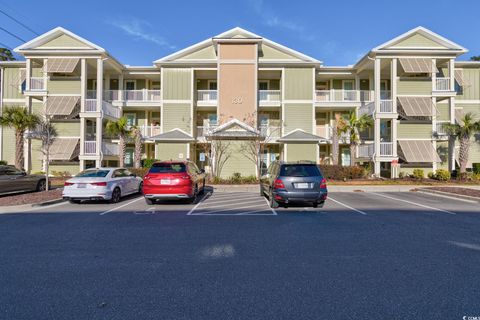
(140, 187)
(149, 201)
(116, 194)
(203, 188)
(273, 202)
(194, 196)
(41, 185)
(315, 205)
(261, 191)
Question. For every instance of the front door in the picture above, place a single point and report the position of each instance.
(345, 157)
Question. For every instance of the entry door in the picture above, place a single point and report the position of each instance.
(348, 93)
(129, 157)
(345, 157)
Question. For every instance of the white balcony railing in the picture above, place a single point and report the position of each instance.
(143, 95)
(366, 150)
(110, 149)
(110, 110)
(37, 84)
(207, 96)
(442, 84)
(270, 131)
(386, 149)
(322, 131)
(440, 128)
(151, 131)
(386, 106)
(269, 96)
(90, 105)
(90, 147)
(367, 109)
(339, 95)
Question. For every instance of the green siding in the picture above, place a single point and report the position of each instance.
(414, 131)
(177, 84)
(8, 145)
(171, 151)
(298, 116)
(37, 156)
(64, 41)
(205, 53)
(237, 162)
(268, 53)
(443, 112)
(417, 40)
(442, 150)
(72, 168)
(11, 91)
(475, 150)
(474, 108)
(139, 116)
(299, 83)
(472, 91)
(177, 116)
(64, 86)
(409, 86)
(409, 170)
(301, 151)
(67, 129)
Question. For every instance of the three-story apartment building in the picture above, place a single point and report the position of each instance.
(237, 87)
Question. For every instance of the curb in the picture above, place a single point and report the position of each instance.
(46, 203)
(449, 194)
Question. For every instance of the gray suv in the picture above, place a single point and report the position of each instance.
(294, 182)
(13, 180)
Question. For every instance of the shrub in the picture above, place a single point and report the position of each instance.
(476, 168)
(140, 172)
(418, 174)
(61, 174)
(431, 175)
(476, 176)
(147, 163)
(3, 163)
(402, 175)
(442, 175)
(236, 177)
(337, 172)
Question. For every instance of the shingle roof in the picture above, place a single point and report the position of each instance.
(173, 135)
(300, 136)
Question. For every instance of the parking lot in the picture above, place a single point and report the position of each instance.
(375, 255)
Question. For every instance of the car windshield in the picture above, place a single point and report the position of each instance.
(92, 174)
(167, 168)
(299, 170)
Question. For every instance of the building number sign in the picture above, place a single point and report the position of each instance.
(237, 100)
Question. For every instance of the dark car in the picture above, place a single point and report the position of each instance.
(294, 182)
(173, 180)
(13, 180)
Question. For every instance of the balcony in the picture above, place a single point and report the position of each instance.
(270, 131)
(150, 131)
(37, 84)
(207, 97)
(110, 149)
(135, 96)
(386, 106)
(340, 95)
(107, 108)
(440, 131)
(442, 84)
(366, 150)
(269, 97)
(386, 149)
(90, 148)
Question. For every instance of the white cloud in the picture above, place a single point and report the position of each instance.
(136, 28)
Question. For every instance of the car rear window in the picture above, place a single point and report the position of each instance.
(92, 174)
(167, 168)
(299, 170)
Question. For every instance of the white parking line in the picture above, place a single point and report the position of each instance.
(414, 203)
(123, 205)
(346, 206)
(268, 204)
(208, 206)
(199, 202)
(231, 209)
(212, 199)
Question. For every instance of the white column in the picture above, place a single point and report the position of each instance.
(82, 135)
(99, 120)
(376, 86)
(393, 81)
(376, 71)
(99, 127)
(83, 84)
(451, 142)
(28, 74)
(27, 143)
(99, 84)
(434, 75)
(45, 74)
(451, 73)
(107, 81)
(357, 88)
(434, 128)
(120, 87)
(1, 111)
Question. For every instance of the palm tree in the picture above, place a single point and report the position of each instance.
(120, 128)
(337, 124)
(19, 120)
(6, 55)
(463, 131)
(352, 125)
(137, 138)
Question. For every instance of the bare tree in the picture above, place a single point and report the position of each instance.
(46, 132)
(220, 152)
(337, 123)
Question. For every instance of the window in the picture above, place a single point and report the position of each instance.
(348, 93)
(92, 174)
(264, 119)
(212, 118)
(167, 168)
(119, 173)
(212, 84)
(129, 157)
(300, 170)
(131, 119)
(130, 84)
(263, 85)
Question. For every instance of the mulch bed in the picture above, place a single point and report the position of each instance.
(30, 198)
(458, 190)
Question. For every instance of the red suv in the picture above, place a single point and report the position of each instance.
(173, 180)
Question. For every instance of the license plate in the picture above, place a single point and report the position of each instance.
(81, 185)
(302, 185)
(165, 181)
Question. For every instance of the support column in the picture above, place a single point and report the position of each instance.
(99, 128)
(83, 84)
(120, 87)
(434, 75)
(434, 129)
(28, 74)
(451, 73)
(27, 143)
(376, 159)
(1, 111)
(99, 120)
(393, 80)
(451, 141)
(45, 74)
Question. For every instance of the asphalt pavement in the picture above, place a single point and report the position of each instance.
(365, 255)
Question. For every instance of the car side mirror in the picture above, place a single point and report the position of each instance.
(133, 175)
(202, 171)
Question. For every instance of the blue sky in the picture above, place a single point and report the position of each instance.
(336, 32)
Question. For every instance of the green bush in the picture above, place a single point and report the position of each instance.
(431, 175)
(61, 174)
(402, 174)
(140, 172)
(3, 163)
(147, 163)
(337, 172)
(418, 174)
(442, 175)
(476, 176)
(236, 177)
(476, 168)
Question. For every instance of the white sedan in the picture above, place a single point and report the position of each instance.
(101, 184)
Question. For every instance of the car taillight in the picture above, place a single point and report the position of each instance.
(278, 184)
(323, 184)
(66, 184)
(99, 184)
(146, 178)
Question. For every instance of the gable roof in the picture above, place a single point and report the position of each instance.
(173, 135)
(299, 135)
(419, 38)
(235, 33)
(234, 127)
(71, 41)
